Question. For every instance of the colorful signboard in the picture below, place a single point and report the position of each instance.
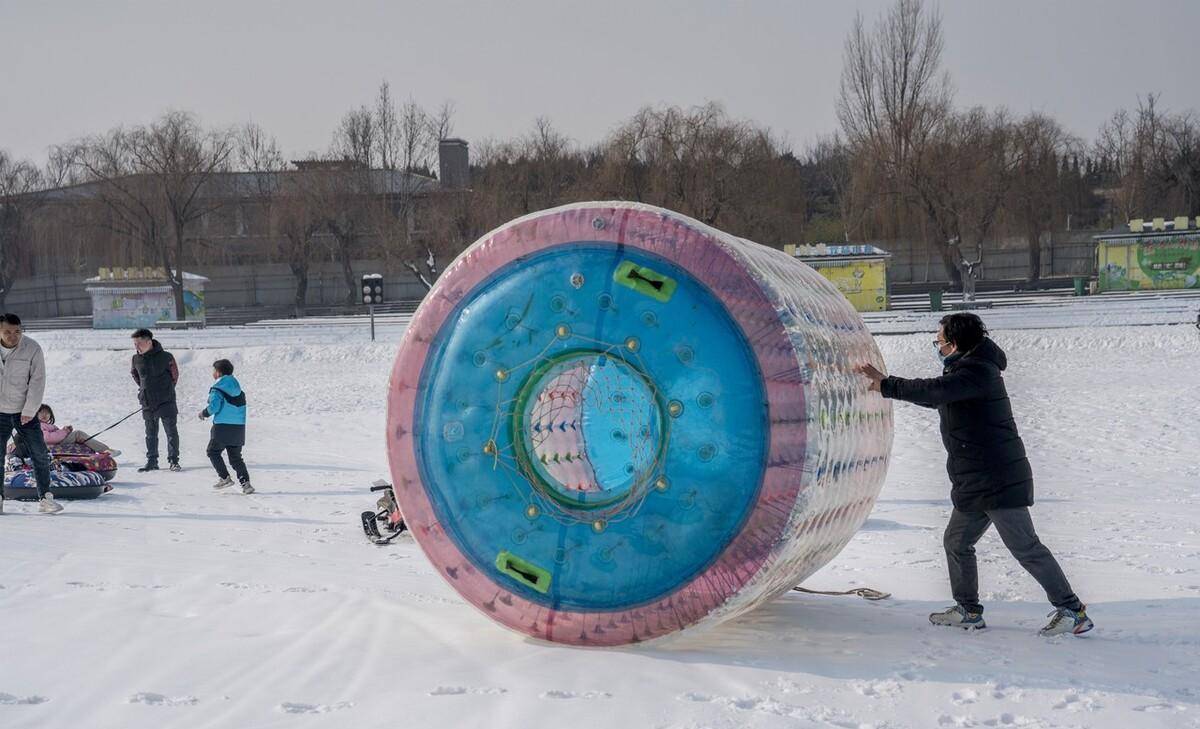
(130, 303)
(1170, 261)
(858, 271)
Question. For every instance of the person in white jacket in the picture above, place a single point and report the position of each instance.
(22, 384)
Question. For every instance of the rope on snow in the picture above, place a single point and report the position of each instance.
(865, 593)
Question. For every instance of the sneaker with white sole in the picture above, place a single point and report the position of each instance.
(223, 483)
(958, 617)
(47, 504)
(175, 466)
(247, 488)
(1066, 620)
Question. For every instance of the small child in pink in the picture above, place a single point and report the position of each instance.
(65, 435)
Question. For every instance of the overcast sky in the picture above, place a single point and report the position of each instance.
(74, 68)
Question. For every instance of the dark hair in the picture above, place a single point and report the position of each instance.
(142, 334)
(223, 366)
(8, 318)
(48, 409)
(964, 330)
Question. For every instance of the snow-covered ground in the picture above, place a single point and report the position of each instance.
(164, 604)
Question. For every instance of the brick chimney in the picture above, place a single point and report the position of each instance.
(454, 166)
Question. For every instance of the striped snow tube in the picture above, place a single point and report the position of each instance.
(609, 422)
(22, 486)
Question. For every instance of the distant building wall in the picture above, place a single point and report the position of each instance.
(266, 285)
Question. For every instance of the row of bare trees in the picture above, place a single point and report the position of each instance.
(907, 163)
(151, 185)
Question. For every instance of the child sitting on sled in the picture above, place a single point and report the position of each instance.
(67, 435)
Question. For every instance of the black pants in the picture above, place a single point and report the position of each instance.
(1016, 531)
(28, 436)
(169, 418)
(235, 459)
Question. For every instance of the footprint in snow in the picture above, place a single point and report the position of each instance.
(575, 695)
(695, 696)
(877, 689)
(152, 699)
(10, 700)
(1078, 702)
(463, 690)
(289, 707)
(1159, 707)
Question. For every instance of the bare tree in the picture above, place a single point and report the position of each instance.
(298, 218)
(1035, 200)
(835, 166)
(700, 161)
(413, 138)
(257, 151)
(181, 158)
(387, 129)
(441, 122)
(61, 170)
(966, 173)
(894, 97)
(151, 178)
(343, 195)
(893, 91)
(355, 138)
(1156, 155)
(20, 185)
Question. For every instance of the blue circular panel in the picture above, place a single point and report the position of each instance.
(592, 428)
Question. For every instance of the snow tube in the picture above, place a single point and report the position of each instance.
(608, 422)
(78, 457)
(22, 486)
(75, 457)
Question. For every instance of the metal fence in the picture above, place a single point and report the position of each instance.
(267, 285)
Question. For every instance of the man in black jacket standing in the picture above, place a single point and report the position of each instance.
(991, 480)
(155, 372)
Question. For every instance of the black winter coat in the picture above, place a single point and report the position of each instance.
(156, 374)
(985, 456)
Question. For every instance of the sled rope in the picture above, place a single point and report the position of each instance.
(122, 420)
(865, 593)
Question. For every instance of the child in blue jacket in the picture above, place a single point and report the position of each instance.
(227, 408)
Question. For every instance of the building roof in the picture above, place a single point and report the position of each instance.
(824, 251)
(145, 276)
(259, 184)
(1156, 227)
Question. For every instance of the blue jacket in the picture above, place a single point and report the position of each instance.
(226, 402)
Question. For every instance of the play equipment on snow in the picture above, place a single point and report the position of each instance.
(19, 484)
(387, 515)
(608, 422)
(76, 457)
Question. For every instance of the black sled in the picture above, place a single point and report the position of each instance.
(386, 518)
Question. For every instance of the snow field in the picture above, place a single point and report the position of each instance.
(165, 604)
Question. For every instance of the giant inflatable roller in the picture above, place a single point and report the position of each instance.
(609, 422)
